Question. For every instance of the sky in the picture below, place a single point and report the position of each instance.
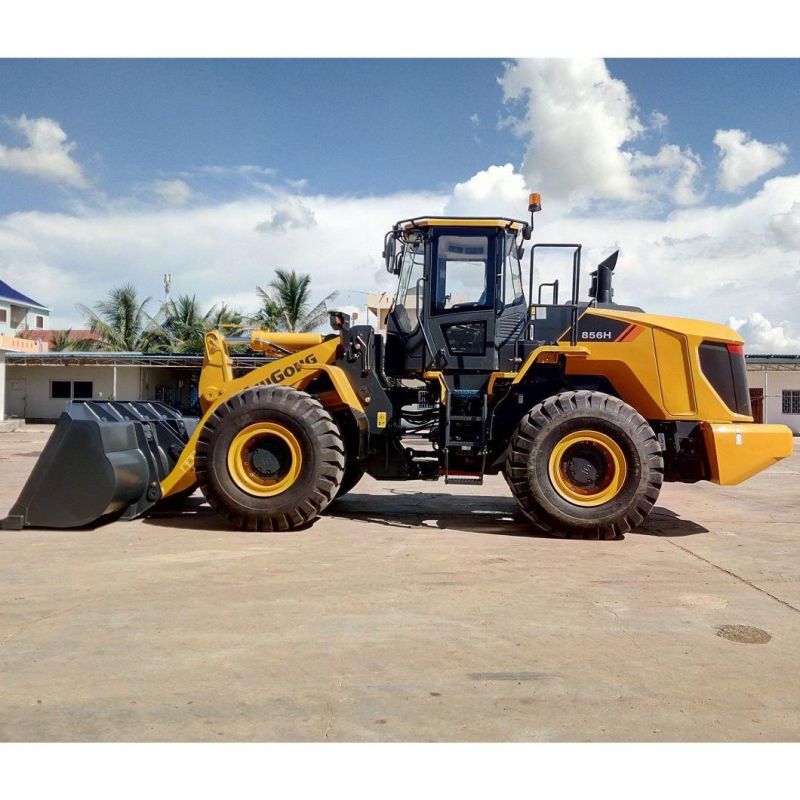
(219, 171)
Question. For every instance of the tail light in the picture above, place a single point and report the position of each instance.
(724, 367)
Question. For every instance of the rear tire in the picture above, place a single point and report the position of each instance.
(270, 459)
(585, 465)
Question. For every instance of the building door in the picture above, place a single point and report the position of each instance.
(757, 404)
(16, 398)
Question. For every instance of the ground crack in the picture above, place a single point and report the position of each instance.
(26, 625)
(734, 575)
(621, 626)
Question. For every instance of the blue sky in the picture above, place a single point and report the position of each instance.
(624, 151)
(350, 126)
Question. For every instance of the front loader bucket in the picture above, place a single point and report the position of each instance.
(105, 459)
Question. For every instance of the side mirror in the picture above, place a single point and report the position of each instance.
(339, 321)
(389, 251)
(520, 251)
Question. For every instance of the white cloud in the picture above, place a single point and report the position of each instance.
(786, 227)
(744, 159)
(577, 118)
(173, 193)
(670, 170)
(47, 154)
(580, 123)
(212, 250)
(495, 190)
(658, 121)
(287, 213)
(762, 336)
(706, 262)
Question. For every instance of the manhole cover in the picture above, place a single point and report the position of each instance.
(745, 634)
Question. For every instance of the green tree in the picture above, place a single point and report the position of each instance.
(225, 319)
(120, 320)
(182, 326)
(63, 341)
(285, 303)
(269, 315)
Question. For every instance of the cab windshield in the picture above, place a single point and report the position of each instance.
(462, 272)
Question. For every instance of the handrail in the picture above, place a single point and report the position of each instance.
(576, 279)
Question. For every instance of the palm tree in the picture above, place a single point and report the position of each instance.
(63, 341)
(224, 318)
(120, 321)
(183, 326)
(269, 315)
(286, 303)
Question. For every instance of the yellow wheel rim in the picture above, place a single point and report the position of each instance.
(587, 468)
(264, 459)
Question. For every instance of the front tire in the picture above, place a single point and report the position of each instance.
(585, 465)
(270, 459)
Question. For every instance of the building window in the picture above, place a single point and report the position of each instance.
(3, 315)
(791, 401)
(82, 390)
(71, 390)
(60, 390)
(39, 321)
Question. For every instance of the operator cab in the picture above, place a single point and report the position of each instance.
(460, 303)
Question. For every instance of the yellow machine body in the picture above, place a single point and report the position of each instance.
(654, 366)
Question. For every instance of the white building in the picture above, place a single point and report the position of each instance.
(18, 312)
(39, 385)
(774, 382)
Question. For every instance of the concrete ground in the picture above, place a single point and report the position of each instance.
(408, 612)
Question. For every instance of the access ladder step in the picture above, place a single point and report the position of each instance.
(462, 418)
(464, 480)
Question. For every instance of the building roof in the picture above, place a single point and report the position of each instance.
(12, 295)
(75, 334)
(112, 359)
(773, 361)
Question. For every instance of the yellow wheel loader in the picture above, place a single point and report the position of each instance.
(585, 406)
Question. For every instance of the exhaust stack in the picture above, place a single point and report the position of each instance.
(602, 278)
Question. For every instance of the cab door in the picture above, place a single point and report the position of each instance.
(511, 307)
(461, 297)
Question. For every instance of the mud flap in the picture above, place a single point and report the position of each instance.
(104, 460)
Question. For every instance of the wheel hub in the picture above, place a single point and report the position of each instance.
(587, 468)
(264, 459)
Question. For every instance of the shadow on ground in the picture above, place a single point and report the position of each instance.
(403, 508)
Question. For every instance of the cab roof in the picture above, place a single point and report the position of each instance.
(461, 222)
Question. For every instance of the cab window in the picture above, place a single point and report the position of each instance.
(411, 270)
(462, 273)
(512, 274)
